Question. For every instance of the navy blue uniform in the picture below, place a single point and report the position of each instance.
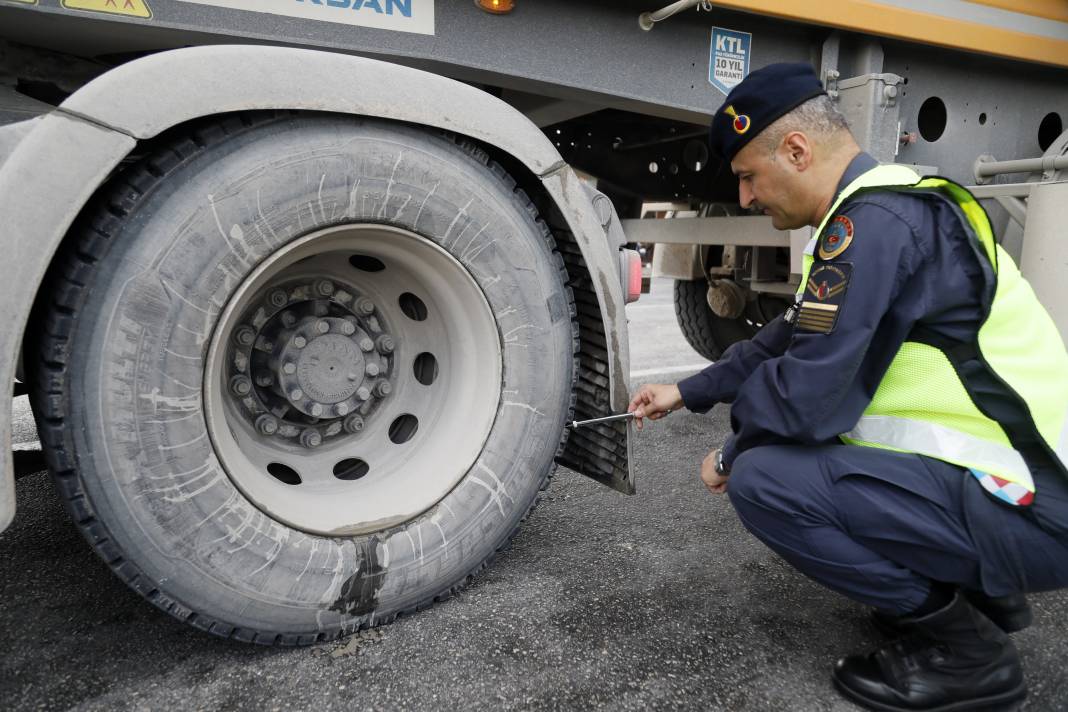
(873, 524)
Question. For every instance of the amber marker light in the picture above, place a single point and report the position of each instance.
(497, 7)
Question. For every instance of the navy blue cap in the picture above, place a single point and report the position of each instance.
(761, 98)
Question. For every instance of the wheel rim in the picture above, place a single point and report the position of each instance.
(352, 379)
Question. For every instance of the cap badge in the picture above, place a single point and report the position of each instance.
(740, 123)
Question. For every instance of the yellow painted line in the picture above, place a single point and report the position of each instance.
(913, 26)
(24, 2)
(131, 8)
(1056, 10)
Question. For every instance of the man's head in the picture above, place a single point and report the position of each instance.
(786, 142)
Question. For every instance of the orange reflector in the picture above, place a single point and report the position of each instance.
(498, 7)
(634, 275)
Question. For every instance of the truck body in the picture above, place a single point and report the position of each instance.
(261, 254)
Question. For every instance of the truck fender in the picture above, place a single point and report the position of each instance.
(58, 164)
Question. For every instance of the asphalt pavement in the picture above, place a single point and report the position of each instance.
(657, 601)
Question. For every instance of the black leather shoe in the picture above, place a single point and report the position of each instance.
(956, 659)
(1010, 613)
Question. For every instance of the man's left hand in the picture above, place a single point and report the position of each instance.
(715, 482)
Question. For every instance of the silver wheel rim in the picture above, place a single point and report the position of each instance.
(294, 395)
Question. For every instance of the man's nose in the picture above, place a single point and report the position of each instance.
(745, 196)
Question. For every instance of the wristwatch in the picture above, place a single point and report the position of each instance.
(720, 469)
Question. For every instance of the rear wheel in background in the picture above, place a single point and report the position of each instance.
(708, 334)
(302, 374)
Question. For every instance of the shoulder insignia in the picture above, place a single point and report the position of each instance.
(824, 296)
(836, 238)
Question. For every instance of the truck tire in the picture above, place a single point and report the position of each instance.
(301, 374)
(708, 334)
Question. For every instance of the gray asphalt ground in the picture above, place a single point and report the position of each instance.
(657, 601)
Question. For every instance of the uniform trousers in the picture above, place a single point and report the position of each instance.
(880, 526)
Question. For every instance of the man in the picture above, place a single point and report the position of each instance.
(901, 435)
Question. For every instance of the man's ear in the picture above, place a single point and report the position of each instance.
(797, 149)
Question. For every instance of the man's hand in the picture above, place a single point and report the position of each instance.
(654, 401)
(715, 482)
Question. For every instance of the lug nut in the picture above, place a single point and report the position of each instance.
(289, 318)
(264, 380)
(341, 409)
(300, 342)
(320, 309)
(322, 327)
(362, 393)
(267, 424)
(289, 369)
(385, 344)
(372, 369)
(311, 437)
(365, 306)
(324, 287)
(245, 336)
(240, 385)
(277, 298)
(366, 344)
(316, 410)
(347, 328)
(353, 424)
(383, 389)
(296, 394)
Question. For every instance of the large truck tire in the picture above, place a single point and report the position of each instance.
(708, 334)
(302, 374)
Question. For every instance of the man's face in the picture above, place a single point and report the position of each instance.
(768, 181)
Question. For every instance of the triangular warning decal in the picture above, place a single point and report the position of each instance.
(133, 8)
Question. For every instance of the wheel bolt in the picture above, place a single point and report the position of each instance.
(278, 298)
(383, 389)
(289, 369)
(353, 424)
(267, 424)
(240, 385)
(385, 344)
(264, 380)
(322, 327)
(245, 336)
(366, 344)
(347, 328)
(324, 287)
(311, 437)
(316, 410)
(365, 306)
(362, 393)
(372, 369)
(296, 394)
(341, 409)
(320, 309)
(300, 342)
(289, 318)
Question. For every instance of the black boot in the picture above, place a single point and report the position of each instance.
(956, 660)
(1010, 613)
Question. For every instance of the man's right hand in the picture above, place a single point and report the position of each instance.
(654, 401)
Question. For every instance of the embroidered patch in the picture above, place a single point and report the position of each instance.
(836, 238)
(824, 296)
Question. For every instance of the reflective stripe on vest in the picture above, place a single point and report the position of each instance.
(923, 406)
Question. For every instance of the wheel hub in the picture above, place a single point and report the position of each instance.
(316, 354)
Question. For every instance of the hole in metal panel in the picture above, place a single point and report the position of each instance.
(1050, 128)
(932, 119)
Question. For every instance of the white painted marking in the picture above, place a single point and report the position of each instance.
(646, 372)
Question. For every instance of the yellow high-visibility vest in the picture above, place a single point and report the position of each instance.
(924, 404)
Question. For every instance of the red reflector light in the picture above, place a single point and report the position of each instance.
(634, 275)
